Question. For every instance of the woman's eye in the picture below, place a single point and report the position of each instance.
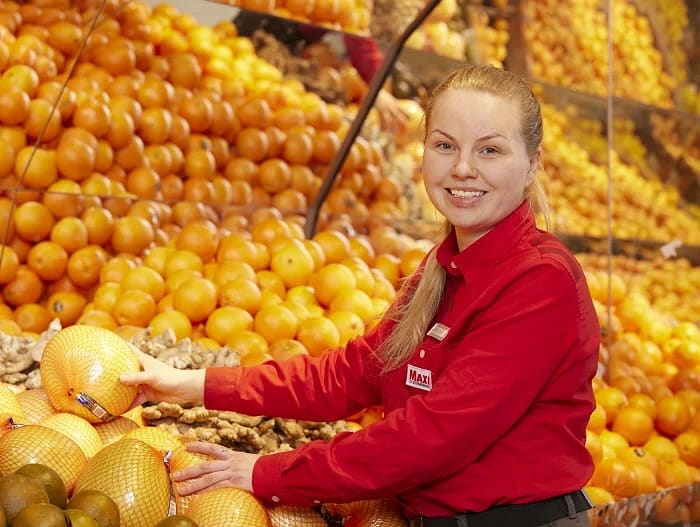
(444, 146)
(489, 150)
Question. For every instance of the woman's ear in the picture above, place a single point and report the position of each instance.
(535, 164)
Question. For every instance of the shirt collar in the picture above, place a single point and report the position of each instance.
(491, 248)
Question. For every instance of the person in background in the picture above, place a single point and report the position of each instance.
(483, 363)
(363, 53)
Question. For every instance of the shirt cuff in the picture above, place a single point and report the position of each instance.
(267, 480)
(219, 384)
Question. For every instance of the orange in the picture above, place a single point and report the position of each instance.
(32, 317)
(318, 334)
(98, 318)
(613, 440)
(638, 455)
(63, 198)
(47, 259)
(634, 424)
(134, 308)
(349, 325)
(688, 444)
(612, 400)
(10, 327)
(672, 416)
(616, 476)
(389, 265)
(67, 306)
(227, 320)
(252, 144)
(182, 259)
(275, 322)
(661, 448)
(643, 402)
(106, 295)
(145, 279)
(356, 301)
(70, 233)
(330, 281)
(336, 246)
(237, 247)
(594, 446)
(269, 281)
(9, 263)
(33, 221)
(26, 287)
(284, 349)
(171, 320)
(196, 298)
(84, 265)
(248, 344)
(270, 229)
(132, 235)
(156, 258)
(115, 269)
(200, 237)
(292, 263)
(241, 292)
(674, 472)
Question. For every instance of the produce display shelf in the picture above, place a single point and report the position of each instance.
(674, 506)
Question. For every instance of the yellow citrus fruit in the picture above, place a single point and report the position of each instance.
(318, 334)
(78, 429)
(80, 370)
(173, 320)
(133, 474)
(227, 320)
(330, 280)
(227, 506)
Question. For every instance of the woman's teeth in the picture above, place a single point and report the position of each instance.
(466, 193)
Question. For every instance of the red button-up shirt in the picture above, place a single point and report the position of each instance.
(504, 419)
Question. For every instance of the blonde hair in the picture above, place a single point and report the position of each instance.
(419, 297)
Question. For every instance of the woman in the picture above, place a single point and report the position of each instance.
(483, 365)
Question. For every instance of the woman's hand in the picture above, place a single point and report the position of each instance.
(160, 382)
(228, 469)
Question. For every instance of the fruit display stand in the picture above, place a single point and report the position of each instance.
(204, 155)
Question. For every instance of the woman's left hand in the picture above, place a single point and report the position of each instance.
(228, 469)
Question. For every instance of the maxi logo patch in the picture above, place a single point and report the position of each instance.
(419, 378)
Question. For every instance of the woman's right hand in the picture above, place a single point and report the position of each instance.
(159, 382)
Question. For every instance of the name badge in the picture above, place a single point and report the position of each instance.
(419, 378)
(439, 331)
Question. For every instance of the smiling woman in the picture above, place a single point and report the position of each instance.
(466, 437)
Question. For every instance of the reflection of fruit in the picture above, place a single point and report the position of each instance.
(133, 474)
(98, 505)
(50, 479)
(80, 371)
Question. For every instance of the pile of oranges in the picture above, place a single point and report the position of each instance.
(172, 135)
(644, 434)
(353, 16)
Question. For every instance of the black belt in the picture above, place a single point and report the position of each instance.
(524, 515)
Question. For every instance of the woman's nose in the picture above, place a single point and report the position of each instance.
(464, 166)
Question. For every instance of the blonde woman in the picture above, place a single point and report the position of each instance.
(483, 365)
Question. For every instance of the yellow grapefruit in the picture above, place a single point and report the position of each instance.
(36, 404)
(225, 507)
(78, 429)
(80, 371)
(134, 475)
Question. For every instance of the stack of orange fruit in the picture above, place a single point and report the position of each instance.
(166, 133)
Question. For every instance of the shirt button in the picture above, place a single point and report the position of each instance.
(421, 354)
(275, 499)
(453, 265)
(317, 502)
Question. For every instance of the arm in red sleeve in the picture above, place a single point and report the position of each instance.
(510, 352)
(364, 54)
(337, 384)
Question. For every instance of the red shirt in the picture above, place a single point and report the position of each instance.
(505, 419)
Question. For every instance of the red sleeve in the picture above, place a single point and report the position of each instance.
(327, 388)
(364, 54)
(408, 448)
